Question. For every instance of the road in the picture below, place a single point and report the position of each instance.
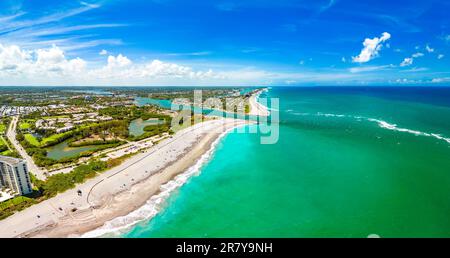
(32, 167)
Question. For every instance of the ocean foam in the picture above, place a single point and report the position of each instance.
(156, 203)
(330, 115)
(386, 125)
(383, 124)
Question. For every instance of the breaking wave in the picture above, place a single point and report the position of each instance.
(156, 203)
(381, 123)
(386, 125)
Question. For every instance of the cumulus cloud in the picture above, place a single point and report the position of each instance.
(13, 58)
(440, 56)
(118, 62)
(410, 60)
(371, 48)
(51, 65)
(15, 61)
(429, 49)
(103, 52)
(407, 62)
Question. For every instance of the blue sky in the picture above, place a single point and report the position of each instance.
(230, 42)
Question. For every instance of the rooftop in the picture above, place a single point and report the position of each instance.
(10, 160)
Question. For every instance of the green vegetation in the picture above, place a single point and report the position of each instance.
(62, 182)
(36, 147)
(4, 125)
(3, 145)
(47, 141)
(32, 140)
(25, 125)
(55, 184)
(13, 205)
(92, 143)
(2, 128)
(152, 130)
(55, 117)
(55, 139)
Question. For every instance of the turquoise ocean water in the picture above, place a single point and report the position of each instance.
(349, 162)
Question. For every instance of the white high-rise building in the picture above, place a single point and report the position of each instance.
(14, 175)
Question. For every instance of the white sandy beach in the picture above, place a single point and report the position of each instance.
(118, 191)
(256, 108)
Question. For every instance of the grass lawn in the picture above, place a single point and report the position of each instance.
(24, 126)
(54, 117)
(2, 142)
(2, 128)
(32, 140)
(6, 153)
(54, 137)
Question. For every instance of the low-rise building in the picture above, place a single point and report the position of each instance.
(14, 175)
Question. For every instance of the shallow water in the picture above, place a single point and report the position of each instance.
(349, 163)
(62, 150)
(137, 126)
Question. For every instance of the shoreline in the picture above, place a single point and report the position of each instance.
(119, 191)
(256, 108)
(155, 203)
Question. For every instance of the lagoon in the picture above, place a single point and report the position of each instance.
(137, 126)
(62, 150)
(165, 103)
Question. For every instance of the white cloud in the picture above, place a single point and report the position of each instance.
(90, 5)
(410, 60)
(407, 62)
(415, 69)
(103, 52)
(408, 81)
(429, 49)
(52, 66)
(41, 63)
(343, 60)
(440, 56)
(45, 27)
(119, 61)
(369, 68)
(371, 48)
(441, 80)
(13, 58)
(327, 6)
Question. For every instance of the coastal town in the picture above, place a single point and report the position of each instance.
(50, 148)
